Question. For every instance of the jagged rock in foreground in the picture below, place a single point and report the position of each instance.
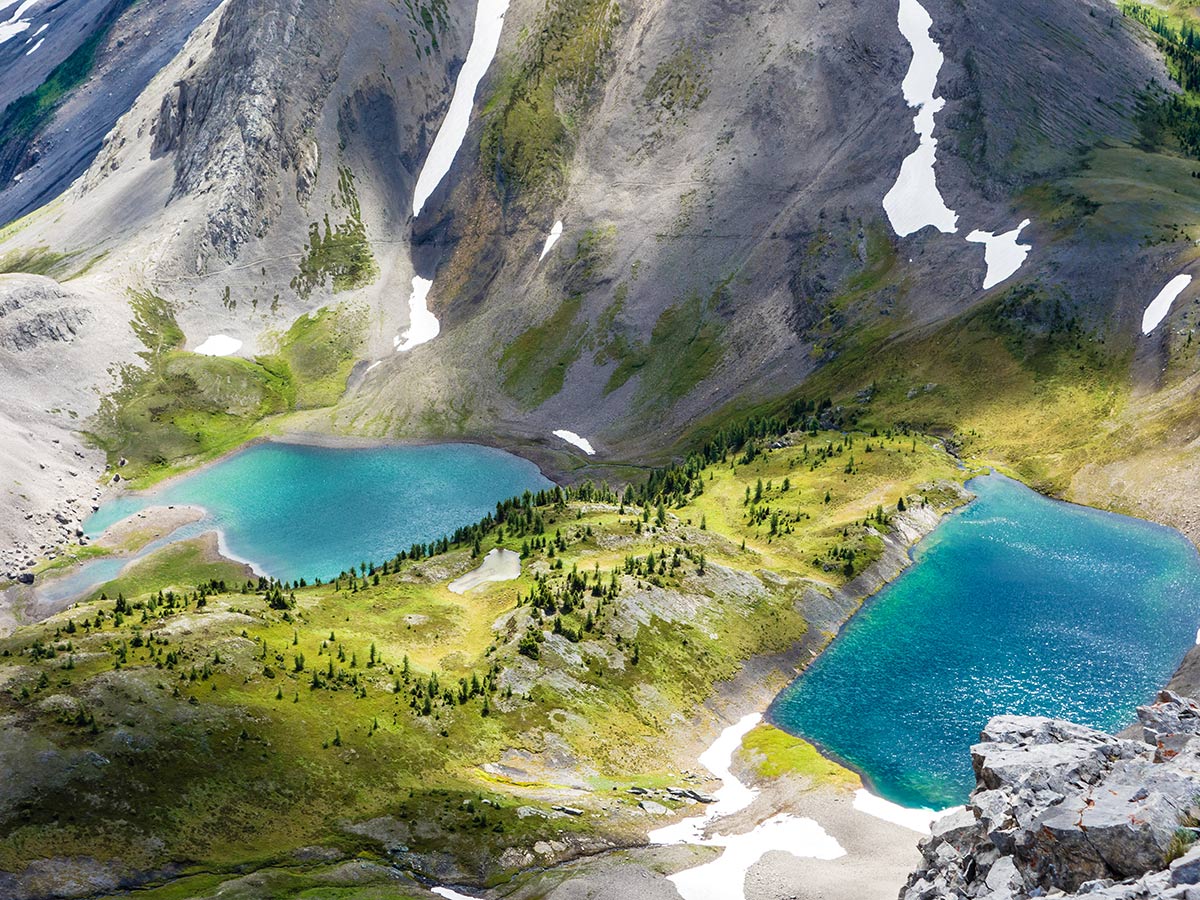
(1064, 810)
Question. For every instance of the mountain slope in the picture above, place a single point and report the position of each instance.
(719, 172)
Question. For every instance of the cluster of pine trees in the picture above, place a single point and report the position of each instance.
(1178, 114)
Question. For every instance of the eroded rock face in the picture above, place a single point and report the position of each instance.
(1061, 809)
(36, 311)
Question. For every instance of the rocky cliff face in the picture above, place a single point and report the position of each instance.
(68, 78)
(1061, 809)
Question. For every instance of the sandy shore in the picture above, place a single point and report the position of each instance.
(135, 532)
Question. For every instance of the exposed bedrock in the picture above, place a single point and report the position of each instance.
(1061, 809)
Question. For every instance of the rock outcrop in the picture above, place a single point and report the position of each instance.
(1064, 810)
(40, 313)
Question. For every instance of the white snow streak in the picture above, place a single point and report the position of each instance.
(489, 21)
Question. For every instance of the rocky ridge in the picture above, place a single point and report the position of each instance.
(48, 335)
(1065, 810)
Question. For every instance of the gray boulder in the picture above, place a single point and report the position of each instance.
(1061, 809)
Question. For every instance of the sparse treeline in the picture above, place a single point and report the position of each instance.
(573, 605)
(670, 486)
(523, 517)
(1179, 43)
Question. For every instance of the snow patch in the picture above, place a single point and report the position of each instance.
(1003, 255)
(572, 438)
(498, 565)
(9, 30)
(1161, 305)
(33, 49)
(423, 326)
(489, 21)
(914, 202)
(725, 877)
(15, 24)
(918, 820)
(733, 796)
(552, 239)
(219, 345)
(452, 895)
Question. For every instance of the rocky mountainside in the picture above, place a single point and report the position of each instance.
(1063, 810)
(74, 69)
(718, 172)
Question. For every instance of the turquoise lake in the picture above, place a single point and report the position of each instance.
(297, 511)
(1015, 604)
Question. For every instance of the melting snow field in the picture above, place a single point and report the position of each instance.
(1003, 255)
(452, 895)
(918, 820)
(498, 565)
(725, 877)
(1161, 305)
(552, 239)
(572, 438)
(914, 201)
(489, 21)
(15, 25)
(219, 345)
(423, 326)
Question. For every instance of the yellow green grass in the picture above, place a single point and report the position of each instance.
(181, 409)
(178, 566)
(248, 747)
(774, 754)
(69, 556)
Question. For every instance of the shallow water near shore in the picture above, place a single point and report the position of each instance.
(1016, 604)
(297, 511)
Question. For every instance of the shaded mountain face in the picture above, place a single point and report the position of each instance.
(719, 171)
(67, 77)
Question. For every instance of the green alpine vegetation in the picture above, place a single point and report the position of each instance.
(429, 18)
(528, 131)
(181, 408)
(26, 115)
(340, 255)
(320, 349)
(435, 723)
(1172, 118)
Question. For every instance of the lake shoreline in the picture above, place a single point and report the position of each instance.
(755, 688)
(323, 440)
(1186, 669)
(879, 853)
(156, 518)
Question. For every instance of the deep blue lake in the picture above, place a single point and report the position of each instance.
(297, 511)
(1015, 604)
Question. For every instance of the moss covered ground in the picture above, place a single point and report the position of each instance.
(338, 256)
(24, 117)
(774, 753)
(179, 409)
(542, 88)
